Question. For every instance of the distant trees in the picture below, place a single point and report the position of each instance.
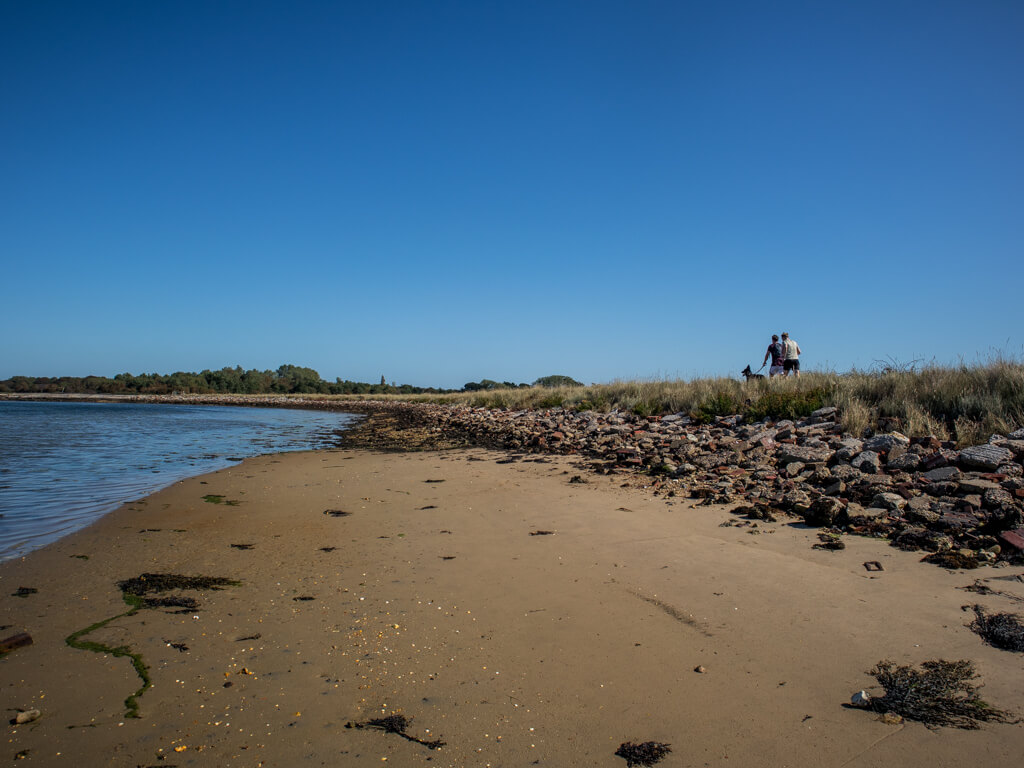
(557, 381)
(488, 384)
(544, 381)
(287, 379)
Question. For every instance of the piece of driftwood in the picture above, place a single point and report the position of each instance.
(19, 640)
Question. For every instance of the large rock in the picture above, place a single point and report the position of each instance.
(941, 474)
(908, 462)
(826, 413)
(997, 497)
(920, 538)
(886, 442)
(985, 456)
(920, 514)
(1010, 470)
(863, 515)
(867, 461)
(977, 485)
(942, 488)
(796, 501)
(940, 458)
(1016, 446)
(848, 448)
(826, 511)
(1013, 539)
(888, 501)
(787, 454)
(845, 472)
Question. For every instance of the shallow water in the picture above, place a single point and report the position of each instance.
(63, 465)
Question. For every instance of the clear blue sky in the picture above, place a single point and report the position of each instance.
(441, 192)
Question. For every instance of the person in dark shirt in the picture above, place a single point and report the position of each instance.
(776, 352)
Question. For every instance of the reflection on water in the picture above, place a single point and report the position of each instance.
(63, 465)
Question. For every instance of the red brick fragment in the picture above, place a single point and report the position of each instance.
(1014, 538)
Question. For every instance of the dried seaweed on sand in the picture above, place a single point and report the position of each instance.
(396, 724)
(647, 753)
(940, 693)
(1000, 630)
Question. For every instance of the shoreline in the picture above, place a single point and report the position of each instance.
(57, 484)
(961, 508)
(430, 598)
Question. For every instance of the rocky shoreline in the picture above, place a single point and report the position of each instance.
(963, 507)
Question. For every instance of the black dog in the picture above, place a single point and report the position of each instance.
(748, 374)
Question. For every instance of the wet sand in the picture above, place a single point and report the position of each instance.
(430, 598)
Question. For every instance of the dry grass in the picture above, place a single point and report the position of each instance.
(966, 403)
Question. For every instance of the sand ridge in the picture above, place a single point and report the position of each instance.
(430, 598)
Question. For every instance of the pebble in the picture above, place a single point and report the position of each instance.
(27, 716)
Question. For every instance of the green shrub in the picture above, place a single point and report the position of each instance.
(718, 404)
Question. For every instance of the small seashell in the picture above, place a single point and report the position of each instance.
(860, 699)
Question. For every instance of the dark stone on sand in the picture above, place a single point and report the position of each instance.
(826, 511)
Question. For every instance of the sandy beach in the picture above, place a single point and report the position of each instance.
(516, 616)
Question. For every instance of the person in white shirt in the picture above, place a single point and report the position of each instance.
(791, 358)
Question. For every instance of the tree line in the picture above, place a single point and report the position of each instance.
(543, 381)
(286, 380)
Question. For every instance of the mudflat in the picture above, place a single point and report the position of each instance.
(468, 608)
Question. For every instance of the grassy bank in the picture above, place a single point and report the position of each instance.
(965, 403)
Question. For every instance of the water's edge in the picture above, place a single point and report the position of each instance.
(66, 462)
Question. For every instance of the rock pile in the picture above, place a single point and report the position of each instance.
(919, 492)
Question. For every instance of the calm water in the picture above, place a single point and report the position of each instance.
(63, 465)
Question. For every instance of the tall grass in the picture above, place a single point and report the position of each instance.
(966, 403)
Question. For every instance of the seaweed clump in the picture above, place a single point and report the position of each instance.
(134, 592)
(1000, 630)
(941, 693)
(647, 753)
(396, 724)
(136, 589)
(830, 540)
(217, 498)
